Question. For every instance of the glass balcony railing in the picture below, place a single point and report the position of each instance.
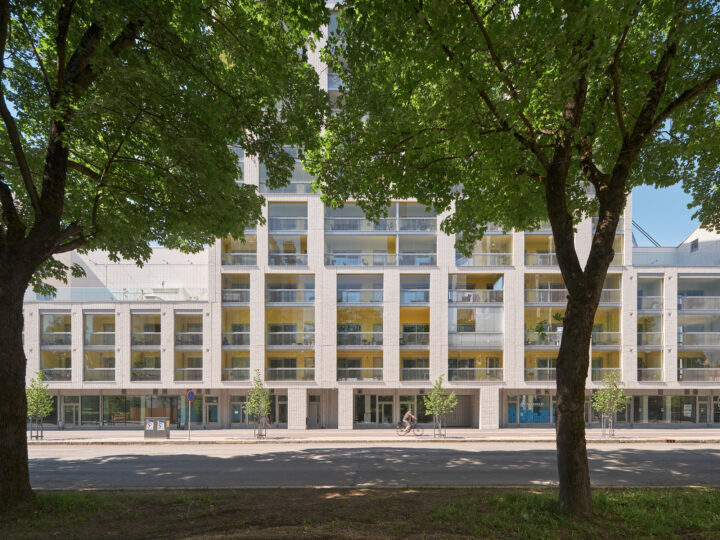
(540, 259)
(484, 259)
(559, 296)
(293, 187)
(414, 374)
(236, 338)
(359, 338)
(475, 339)
(360, 259)
(289, 374)
(241, 296)
(290, 296)
(475, 374)
(239, 259)
(650, 303)
(55, 339)
(56, 374)
(103, 294)
(414, 296)
(551, 339)
(417, 224)
(598, 374)
(145, 374)
(98, 374)
(360, 296)
(617, 260)
(145, 339)
(473, 296)
(188, 374)
(189, 338)
(359, 374)
(699, 339)
(606, 338)
(417, 259)
(288, 259)
(653, 339)
(414, 338)
(287, 224)
(698, 303)
(99, 339)
(649, 374)
(539, 374)
(235, 374)
(699, 374)
(300, 339)
(358, 224)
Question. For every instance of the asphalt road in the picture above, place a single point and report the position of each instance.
(358, 465)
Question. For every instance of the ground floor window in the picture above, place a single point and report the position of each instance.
(238, 416)
(278, 409)
(669, 409)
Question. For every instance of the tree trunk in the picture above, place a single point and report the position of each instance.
(572, 368)
(14, 477)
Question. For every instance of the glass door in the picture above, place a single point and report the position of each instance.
(237, 411)
(71, 410)
(211, 411)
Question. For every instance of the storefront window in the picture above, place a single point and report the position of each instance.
(90, 409)
(535, 409)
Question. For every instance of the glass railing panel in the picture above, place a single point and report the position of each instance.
(290, 296)
(287, 259)
(289, 374)
(99, 339)
(188, 374)
(539, 374)
(303, 339)
(484, 259)
(410, 296)
(611, 296)
(50, 339)
(617, 260)
(418, 224)
(598, 374)
(236, 338)
(145, 338)
(239, 259)
(145, 374)
(286, 224)
(188, 338)
(649, 374)
(359, 296)
(417, 259)
(650, 302)
(414, 374)
(606, 338)
(414, 338)
(359, 374)
(359, 338)
(699, 339)
(472, 296)
(475, 339)
(650, 338)
(236, 295)
(543, 338)
(475, 374)
(360, 259)
(358, 224)
(235, 374)
(546, 296)
(99, 374)
(699, 374)
(56, 374)
(541, 259)
(293, 187)
(700, 303)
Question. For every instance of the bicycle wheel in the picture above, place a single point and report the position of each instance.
(400, 430)
(417, 431)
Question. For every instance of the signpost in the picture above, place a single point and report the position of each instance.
(190, 397)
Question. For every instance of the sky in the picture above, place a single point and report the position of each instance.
(663, 213)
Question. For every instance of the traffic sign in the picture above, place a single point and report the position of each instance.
(190, 395)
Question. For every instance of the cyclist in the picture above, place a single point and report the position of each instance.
(409, 419)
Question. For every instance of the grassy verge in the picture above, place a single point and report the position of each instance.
(363, 513)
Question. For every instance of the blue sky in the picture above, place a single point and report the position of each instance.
(663, 213)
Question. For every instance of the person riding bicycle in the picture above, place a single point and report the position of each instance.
(409, 419)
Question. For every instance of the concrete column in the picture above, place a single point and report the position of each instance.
(325, 327)
(514, 327)
(628, 327)
(76, 351)
(670, 325)
(32, 339)
(257, 323)
(123, 351)
(297, 408)
(489, 407)
(345, 407)
(438, 325)
(391, 326)
(167, 346)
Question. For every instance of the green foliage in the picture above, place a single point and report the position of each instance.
(438, 402)
(258, 400)
(39, 399)
(611, 398)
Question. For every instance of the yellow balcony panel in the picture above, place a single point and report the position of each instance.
(540, 366)
(99, 366)
(491, 250)
(235, 366)
(414, 366)
(236, 326)
(650, 365)
(480, 365)
(55, 366)
(290, 366)
(359, 366)
(99, 329)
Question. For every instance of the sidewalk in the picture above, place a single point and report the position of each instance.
(135, 435)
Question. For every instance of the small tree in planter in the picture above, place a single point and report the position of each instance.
(39, 404)
(609, 400)
(439, 404)
(258, 405)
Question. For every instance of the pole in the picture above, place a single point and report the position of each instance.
(189, 420)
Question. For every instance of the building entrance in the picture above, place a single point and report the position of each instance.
(313, 413)
(71, 410)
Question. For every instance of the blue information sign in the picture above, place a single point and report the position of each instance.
(190, 395)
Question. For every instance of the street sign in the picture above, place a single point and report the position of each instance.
(190, 395)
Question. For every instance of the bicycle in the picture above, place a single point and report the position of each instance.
(414, 429)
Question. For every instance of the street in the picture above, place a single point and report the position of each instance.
(360, 464)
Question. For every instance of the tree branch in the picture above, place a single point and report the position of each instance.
(83, 169)
(613, 71)
(9, 212)
(63, 23)
(46, 80)
(686, 96)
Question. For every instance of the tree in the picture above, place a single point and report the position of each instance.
(39, 402)
(117, 118)
(439, 403)
(518, 112)
(610, 400)
(258, 404)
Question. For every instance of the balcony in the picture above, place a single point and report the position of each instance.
(699, 374)
(237, 296)
(475, 374)
(414, 339)
(650, 303)
(145, 339)
(417, 259)
(598, 374)
(56, 374)
(359, 374)
(288, 339)
(649, 374)
(290, 374)
(360, 259)
(354, 339)
(296, 187)
(699, 303)
(99, 374)
(541, 259)
(189, 339)
(99, 339)
(290, 296)
(414, 296)
(539, 374)
(699, 339)
(236, 338)
(145, 374)
(55, 339)
(606, 338)
(473, 296)
(544, 339)
(359, 224)
(188, 374)
(287, 259)
(235, 374)
(287, 224)
(414, 224)
(360, 296)
(475, 339)
(239, 259)
(415, 374)
(650, 339)
(484, 259)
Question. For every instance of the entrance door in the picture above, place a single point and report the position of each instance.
(211, 410)
(71, 414)
(237, 411)
(386, 413)
(314, 412)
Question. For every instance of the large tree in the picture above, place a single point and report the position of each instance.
(519, 112)
(117, 118)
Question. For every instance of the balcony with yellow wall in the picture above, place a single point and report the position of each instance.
(540, 250)
(650, 366)
(235, 366)
(99, 365)
(414, 366)
(469, 365)
(414, 327)
(475, 289)
(369, 250)
(235, 288)
(604, 364)
(289, 365)
(359, 327)
(491, 250)
(606, 328)
(188, 366)
(544, 326)
(239, 252)
(99, 330)
(290, 327)
(235, 327)
(540, 366)
(55, 365)
(289, 289)
(359, 366)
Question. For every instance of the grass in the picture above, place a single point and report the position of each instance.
(363, 513)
